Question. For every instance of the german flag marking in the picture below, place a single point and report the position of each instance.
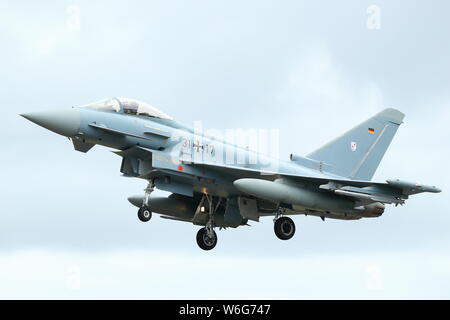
(371, 130)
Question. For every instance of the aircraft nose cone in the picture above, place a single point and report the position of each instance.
(65, 122)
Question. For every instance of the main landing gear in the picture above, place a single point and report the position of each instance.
(207, 237)
(284, 227)
(144, 213)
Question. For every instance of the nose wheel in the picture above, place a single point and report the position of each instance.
(144, 214)
(284, 228)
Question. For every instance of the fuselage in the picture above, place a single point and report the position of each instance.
(185, 146)
(188, 145)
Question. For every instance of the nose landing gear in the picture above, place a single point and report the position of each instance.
(144, 213)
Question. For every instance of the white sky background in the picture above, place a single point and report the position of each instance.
(309, 69)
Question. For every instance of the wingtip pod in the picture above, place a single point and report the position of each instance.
(393, 114)
(413, 187)
(432, 189)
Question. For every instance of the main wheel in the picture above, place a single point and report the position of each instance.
(204, 241)
(284, 228)
(144, 214)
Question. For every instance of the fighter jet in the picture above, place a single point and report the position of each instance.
(209, 190)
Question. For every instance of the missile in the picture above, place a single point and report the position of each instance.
(282, 191)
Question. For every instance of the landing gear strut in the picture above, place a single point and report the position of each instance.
(144, 213)
(207, 237)
(284, 227)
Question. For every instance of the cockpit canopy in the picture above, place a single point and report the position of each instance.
(128, 106)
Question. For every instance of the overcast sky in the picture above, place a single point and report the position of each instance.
(309, 69)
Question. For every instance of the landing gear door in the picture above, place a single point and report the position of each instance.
(248, 208)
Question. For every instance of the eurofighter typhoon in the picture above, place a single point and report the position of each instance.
(208, 190)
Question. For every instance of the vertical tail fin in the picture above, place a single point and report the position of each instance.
(357, 153)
